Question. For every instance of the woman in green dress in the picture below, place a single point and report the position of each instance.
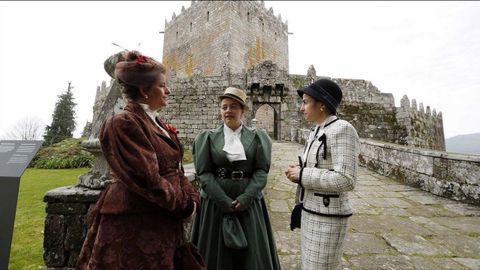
(232, 229)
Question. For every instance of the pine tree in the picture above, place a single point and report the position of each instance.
(87, 129)
(63, 119)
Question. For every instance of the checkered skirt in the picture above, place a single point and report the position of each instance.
(322, 241)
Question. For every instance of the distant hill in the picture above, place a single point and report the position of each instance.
(467, 144)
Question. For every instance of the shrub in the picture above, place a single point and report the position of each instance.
(63, 155)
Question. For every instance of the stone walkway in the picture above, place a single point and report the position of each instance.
(394, 226)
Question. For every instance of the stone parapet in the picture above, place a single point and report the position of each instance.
(449, 175)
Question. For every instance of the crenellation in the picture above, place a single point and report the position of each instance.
(311, 74)
(405, 103)
(414, 105)
(420, 108)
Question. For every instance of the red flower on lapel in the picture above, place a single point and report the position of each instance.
(171, 128)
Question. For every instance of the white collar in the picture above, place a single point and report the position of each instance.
(153, 115)
(230, 132)
(150, 112)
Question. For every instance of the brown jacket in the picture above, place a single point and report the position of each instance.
(137, 222)
(145, 165)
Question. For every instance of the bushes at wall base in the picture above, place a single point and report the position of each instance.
(63, 155)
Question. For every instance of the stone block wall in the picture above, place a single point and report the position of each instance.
(375, 116)
(257, 35)
(370, 111)
(65, 225)
(453, 176)
(424, 127)
(373, 120)
(194, 104)
(210, 36)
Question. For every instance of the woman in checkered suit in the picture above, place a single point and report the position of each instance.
(328, 170)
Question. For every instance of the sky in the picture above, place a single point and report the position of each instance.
(429, 51)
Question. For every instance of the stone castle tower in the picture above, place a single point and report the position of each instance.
(211, 37)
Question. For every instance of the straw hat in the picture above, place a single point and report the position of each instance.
(236, 94)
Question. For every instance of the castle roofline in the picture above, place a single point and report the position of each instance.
(260, 5)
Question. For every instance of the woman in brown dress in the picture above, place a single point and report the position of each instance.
(138, 221)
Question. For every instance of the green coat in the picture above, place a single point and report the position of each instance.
(217, 195)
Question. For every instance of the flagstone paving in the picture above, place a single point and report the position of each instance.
(394, 226)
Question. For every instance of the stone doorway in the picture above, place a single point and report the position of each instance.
(266, 117)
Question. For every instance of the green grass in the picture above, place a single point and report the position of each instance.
(27, 243)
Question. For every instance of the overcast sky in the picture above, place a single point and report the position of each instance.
(429, 51)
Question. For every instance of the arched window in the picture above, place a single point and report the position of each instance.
(208, 16)
(191, 26)
(248, 16)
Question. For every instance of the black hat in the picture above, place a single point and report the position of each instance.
(325, 91)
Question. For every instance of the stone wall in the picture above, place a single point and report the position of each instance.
(211, 36)
(375, 116)
(65, 225)
(453, 176)
(370, 111)
(424, 128)
(194, 104)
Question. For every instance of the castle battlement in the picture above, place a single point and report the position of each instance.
(256, 8)
(412, 108)
(424, 128)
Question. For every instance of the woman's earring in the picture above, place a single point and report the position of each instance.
(146, 97)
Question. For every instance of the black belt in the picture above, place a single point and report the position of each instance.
(231, 174)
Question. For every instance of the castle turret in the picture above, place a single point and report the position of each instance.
(232, 36)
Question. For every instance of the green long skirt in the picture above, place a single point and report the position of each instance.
(207, 234)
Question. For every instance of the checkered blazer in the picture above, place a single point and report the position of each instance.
(326, 181)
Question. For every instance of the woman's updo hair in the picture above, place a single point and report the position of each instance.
(135, 70)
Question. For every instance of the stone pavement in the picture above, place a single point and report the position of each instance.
(394, 226)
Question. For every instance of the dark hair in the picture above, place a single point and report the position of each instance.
(136, 70)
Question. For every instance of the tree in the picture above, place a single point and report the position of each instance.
(87, 129)
(63, 119)
(27, 129)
